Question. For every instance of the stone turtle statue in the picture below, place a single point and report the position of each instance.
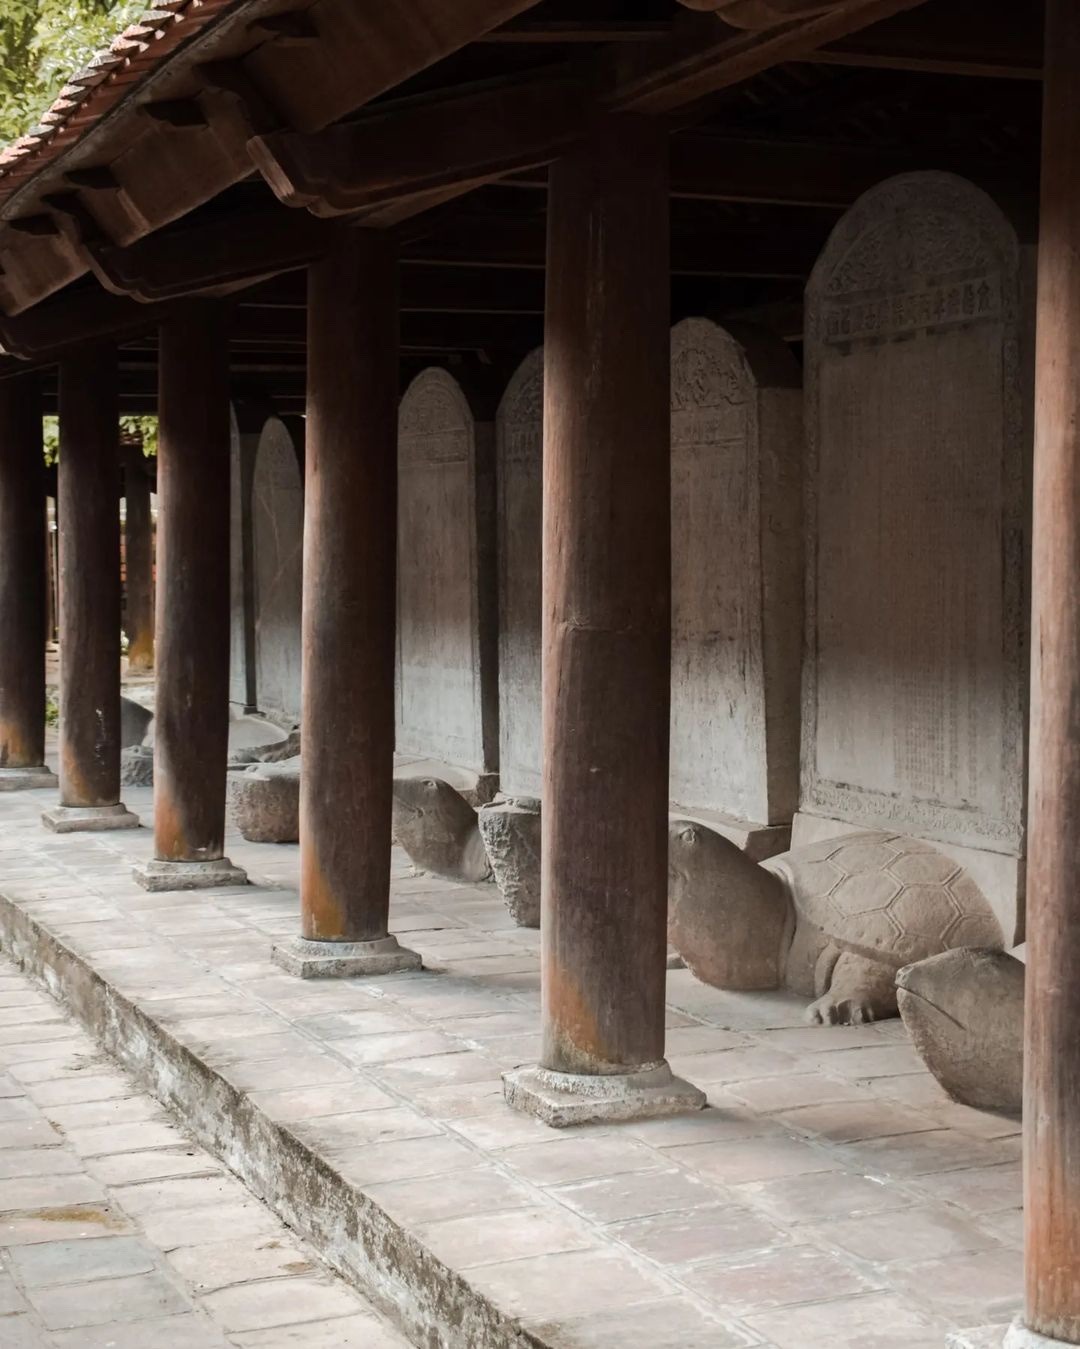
(438, 829)
(833, 921)
(964, 1011)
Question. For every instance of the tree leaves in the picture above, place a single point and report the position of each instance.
(42, 42)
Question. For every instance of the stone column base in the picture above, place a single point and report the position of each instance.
(1019, 1337)
(26, 779)
(563, 1099)
(157, 875)
(84, 819)
(343, 959)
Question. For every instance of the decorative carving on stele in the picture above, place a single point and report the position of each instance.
(834, 921)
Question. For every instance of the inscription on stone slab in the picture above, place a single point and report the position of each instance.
(519, 458)
(277, 521)
(736, 573)
(736, 487)
(917, 426)
(440, 713)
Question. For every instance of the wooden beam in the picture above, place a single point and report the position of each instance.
(210, 257)
(704, 55)
(706, 166)
(964, 38)
(453, 143)
(565, 31)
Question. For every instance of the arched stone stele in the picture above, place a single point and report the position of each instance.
(918, 406)
(446, 710)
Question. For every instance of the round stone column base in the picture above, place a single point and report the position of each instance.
(26, 779)
(157, 875)
(564, 1099)
(84, 819)
(343, 959)
(1019, 1337)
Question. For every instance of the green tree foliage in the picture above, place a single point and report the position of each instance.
(42, 42)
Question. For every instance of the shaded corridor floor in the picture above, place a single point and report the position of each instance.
(829, 1198)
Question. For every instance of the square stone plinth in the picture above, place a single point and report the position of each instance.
(81, 819)
(343, 959)
(26, 779)
(564, 1099)
(156, 875)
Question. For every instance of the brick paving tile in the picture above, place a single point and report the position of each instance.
(84, 1236)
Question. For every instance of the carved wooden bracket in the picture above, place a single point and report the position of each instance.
(766, 13)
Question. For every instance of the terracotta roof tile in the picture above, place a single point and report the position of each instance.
(93, 91)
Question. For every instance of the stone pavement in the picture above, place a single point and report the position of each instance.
(829, 1198)
(117, 1231)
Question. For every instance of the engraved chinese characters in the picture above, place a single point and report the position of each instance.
(277, 517)
(916, 422)
(736, 572)
(441, 648)
(736, 579)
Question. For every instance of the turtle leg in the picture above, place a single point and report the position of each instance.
(860, 990)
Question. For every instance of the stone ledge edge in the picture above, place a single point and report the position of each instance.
(429, 1302)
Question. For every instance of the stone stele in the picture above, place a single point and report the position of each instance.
(277, 533)
(918, 422)
(833, 921)
(445, 685)
(736, 430)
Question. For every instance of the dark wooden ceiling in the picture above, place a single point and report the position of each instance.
(761, 171)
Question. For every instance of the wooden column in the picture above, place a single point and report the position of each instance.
(88, 508)
(22, 587)
(350, 554)
(606, 636)
(1052, 1047)
(139, 560)
(191, 708)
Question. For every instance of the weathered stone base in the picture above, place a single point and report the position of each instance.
(156, 875)
(343, 959)
(511, 833)
(26, 779)
(83, 819)
(565, 1099)
(1019, 1337)
(137, 766)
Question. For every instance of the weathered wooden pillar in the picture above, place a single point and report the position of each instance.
(22, 588)
(88, 506)
(139, 560)
(1052, 1036)
(191, 707)
(606, 637)
(350, 543)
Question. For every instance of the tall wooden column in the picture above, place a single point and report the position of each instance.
(606, 636)
(139, 560)
(349, 590)
(191, 706)
(88, 507)
(1052, 1046)
(22, 587)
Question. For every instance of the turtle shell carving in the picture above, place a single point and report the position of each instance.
(886, 897)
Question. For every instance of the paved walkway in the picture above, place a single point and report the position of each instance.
(830, 1198)
(118, 1233)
